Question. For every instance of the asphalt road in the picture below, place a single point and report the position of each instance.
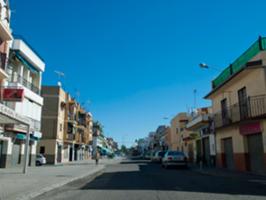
(132, 180)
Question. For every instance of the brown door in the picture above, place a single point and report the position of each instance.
(228, 153)
(255, 153)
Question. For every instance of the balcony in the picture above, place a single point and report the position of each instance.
(3, 62)
(253, 108)
(82, 119)
(15, 78)
(198, 121)
(71, 129)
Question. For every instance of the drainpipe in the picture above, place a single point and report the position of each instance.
(26, 152)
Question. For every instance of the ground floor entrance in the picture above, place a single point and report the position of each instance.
(256, 153)
(2, 155)
(228, 153)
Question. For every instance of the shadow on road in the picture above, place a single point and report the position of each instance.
(152, 177)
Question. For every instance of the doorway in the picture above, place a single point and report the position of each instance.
(228, 153)
(255, 153)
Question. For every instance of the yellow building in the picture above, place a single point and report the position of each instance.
(66, 127)
(239, 105)
(180, 137)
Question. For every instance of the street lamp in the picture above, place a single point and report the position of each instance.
(205, 66)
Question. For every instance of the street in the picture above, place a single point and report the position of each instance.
(138, 179)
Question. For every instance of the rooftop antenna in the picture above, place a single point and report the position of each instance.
(60, 75)
(195, 98)
(77, 94)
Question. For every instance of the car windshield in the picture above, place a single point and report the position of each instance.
(175, 153)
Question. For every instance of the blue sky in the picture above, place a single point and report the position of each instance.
(136, 61)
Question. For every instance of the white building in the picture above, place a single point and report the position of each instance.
(24, 72)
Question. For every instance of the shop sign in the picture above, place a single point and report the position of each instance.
(250, 128)
(13, 94)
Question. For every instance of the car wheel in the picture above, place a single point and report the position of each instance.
(38, 163)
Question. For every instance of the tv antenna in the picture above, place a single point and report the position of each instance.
(60, 75)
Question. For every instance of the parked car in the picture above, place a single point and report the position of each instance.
(147, 155)
(174, 158)
(158, 156)
(40, 160)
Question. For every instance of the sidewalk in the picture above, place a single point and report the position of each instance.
(16, 186)
(227, 173)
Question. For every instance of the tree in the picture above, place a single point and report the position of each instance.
(123, 149)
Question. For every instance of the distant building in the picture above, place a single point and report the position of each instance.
(66, 127)
(201, 125)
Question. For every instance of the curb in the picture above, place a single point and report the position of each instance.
(93, 174)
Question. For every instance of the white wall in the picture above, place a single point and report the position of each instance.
(29, 54)
(29, 109)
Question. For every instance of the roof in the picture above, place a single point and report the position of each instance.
(238, 65)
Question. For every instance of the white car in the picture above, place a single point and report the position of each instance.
(174, 158)
(40, 160)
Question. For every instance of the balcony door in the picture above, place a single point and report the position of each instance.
(225, 116)
(243, 103)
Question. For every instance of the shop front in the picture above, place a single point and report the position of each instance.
(12, 145)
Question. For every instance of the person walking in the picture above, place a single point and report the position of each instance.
(97, 157)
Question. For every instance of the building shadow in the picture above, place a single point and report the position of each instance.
(153, 177)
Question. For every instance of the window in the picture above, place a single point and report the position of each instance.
(61, 127)
(42, 150)
(225, 116)
(243, 103)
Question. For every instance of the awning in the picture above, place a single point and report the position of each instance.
(26, 63)
(34, 138)
(37, 134)
(21, 136)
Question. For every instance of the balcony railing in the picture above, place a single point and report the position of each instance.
(252, 108)
(15, 78)
(3, 61)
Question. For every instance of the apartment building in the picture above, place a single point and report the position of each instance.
(53, 123)
(21, 103)
(239, 105)
(24, 71)
(66, 127)
(201, 124)
(181, 138)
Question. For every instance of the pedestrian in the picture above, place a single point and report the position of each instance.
(97, 157)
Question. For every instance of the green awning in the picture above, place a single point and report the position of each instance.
(26, 63)
(21, 136)
(240, 62)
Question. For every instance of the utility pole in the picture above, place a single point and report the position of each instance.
(195, 98)
(26, 151)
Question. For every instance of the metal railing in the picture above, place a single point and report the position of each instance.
(16, 78)
(3, 60)
(252, 108)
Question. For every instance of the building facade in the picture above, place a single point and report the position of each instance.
(66, 126)
(24, 71)
(238, 101)
(53, 124)
(201, 124)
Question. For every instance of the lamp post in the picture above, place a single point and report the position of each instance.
(206, 66)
